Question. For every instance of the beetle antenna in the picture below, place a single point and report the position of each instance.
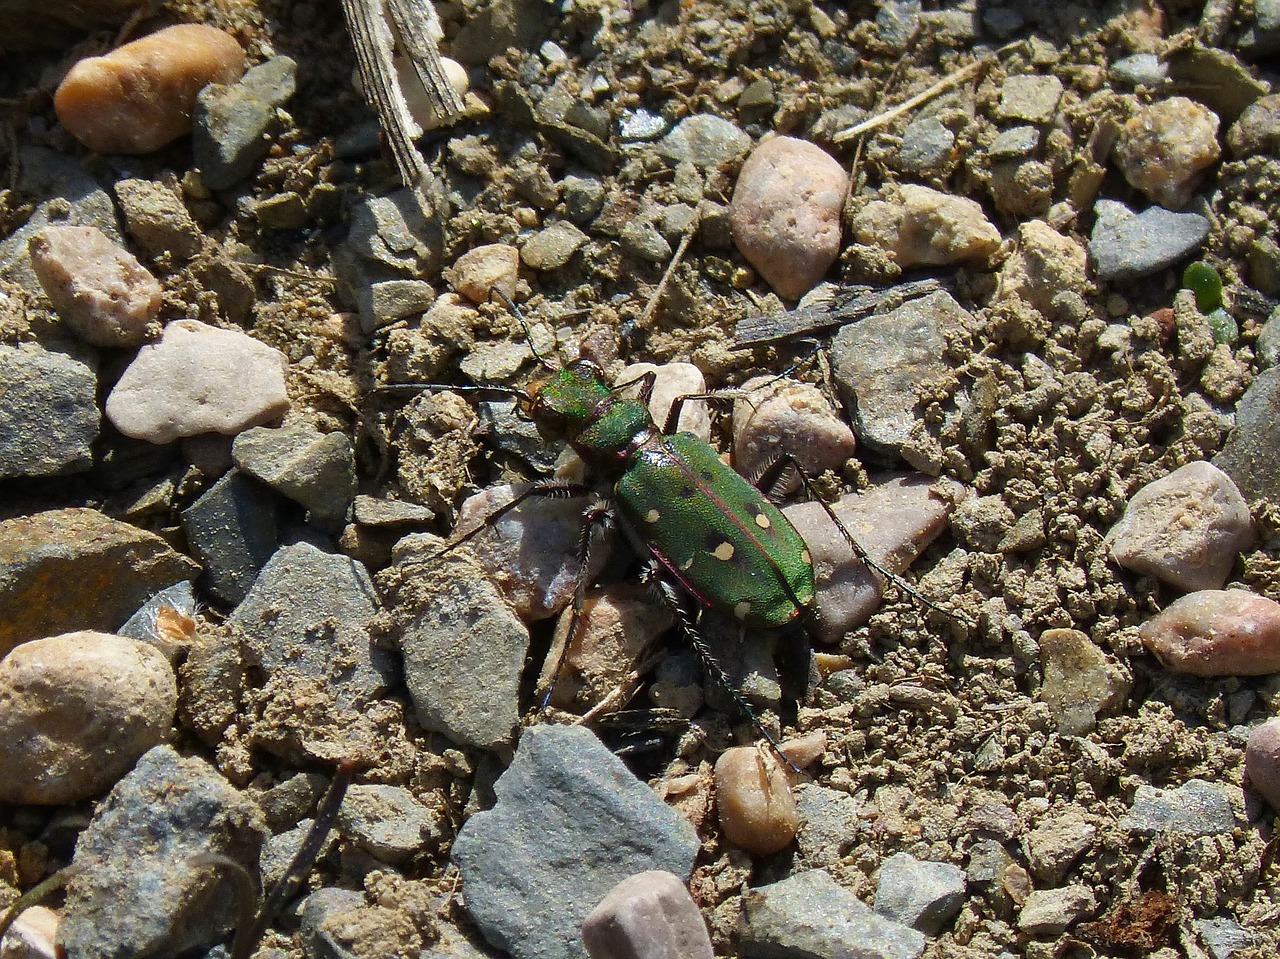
(454, 388)
(515, 311)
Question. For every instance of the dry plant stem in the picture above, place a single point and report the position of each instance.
(417, 26)
(36, 894)
(666, 274)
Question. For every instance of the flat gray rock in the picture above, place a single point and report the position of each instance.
(1251, 456)
(570, 823)
(1196, 808)
(232, 529)
(1125, 245)
(233, 125)
(919, 894)
(705, 141)
(316, 470)
(49, 417)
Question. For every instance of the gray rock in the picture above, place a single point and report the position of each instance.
(1048, 912)
(1251, 454)
(143, 890)
(880, 362)
(1031, 98)
(1138, 70)
(1226, 939)
(641, 239)
(316, 470)
(1054, 845)
(919, 894)
(637, 126)
(323, 914)
(704, 140)
(927, 145)
(829, 824)
(463, 647)
(583, 198)
(647, 916)
(552, 247)
(570, 822)
(897, 21)
(1079, 680)
(1268, 346)
(1125, 245)
(390, 513)
(386, 301)
(49, 417)
(232, 529)
(1196, 808)
(233, 125)
(1002, 22)
(1019, 143)
(810, 916)
(388, 822)
(517, 436)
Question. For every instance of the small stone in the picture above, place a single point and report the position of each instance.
(1186, 529)
(1044, 264)
(830, 821)
(1125, 245)
(234, 125)
(98, 287)
(1164, 147)
(922, 895)
(386, 301)
(809, 916)
(139, 97)
(1217, 632)
(1018, 143)
(1079, 680)
(583, 198)
(485, 268)
(570, 823)
(1196, 808)
(1252, 451)
(1048, 912)
(143, 887)
(783, 417)
(388, 822)
(33, 935)
(1139, 70)
(647, 916)
(1258, 129)
(704, 140)
(553, 247)
(47, 558)
(893, 522)
(282, 211)
(671, 381)
(232, 529)
(927, 145)
(76, 712)
(49, 417)
(166, 620)
(753, 797)
(641, 239)
(925, 227)
(1262, 761)
(1029, 98)
(785, 213)
(637, 126)
(316, 470)
(1227, 939)
(157, 218)
(199, 379)
(982, 522)
(1053, 846)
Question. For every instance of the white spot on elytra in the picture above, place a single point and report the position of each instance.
(741, 610)
(762, 521)
(652, 516)
(724, 551)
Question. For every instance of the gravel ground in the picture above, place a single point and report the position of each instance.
(1011, 724)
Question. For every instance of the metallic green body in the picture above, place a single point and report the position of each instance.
(713, 531)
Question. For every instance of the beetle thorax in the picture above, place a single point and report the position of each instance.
(574, 405)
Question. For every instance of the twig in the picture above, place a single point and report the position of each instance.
(676, 257)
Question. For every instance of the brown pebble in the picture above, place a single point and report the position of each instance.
(753, 794)
(97, 286)
(1217, 632)
(140, 97)
(488, 267)
(1262, 761)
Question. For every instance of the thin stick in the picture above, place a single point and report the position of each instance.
(676, 257)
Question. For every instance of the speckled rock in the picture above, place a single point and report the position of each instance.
(316, 470)
(1258, 128)
(139, 97)
(76, 712)
(784, 416)
(552, 247)
(199, 379)
(157, 218)
(754, 799)
(97, 286)
(235, 123)
(1044, 263)
(478, 271)
(1217, 632)
(1262, 760)
(918, 893)
(1048, 912)
(671, 381)
(1196, 808)
(1186, 529)
(647, 916)
(1164, 147)
(785, 213)
(705, 140)
(1252, 451)
(925, 227)
(1079, 680)
(49, 417)
(1057, 842)
(389, 822)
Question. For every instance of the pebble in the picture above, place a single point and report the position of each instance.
(925, 227)
(76, 712)
(143, 889)
(97, 286)
(894, 521)
(1252, 451)
(389, 822)
(1079, 680)
(1217, 632)
(830, 821)
(1044, 264)
(1196, 808)
(637, 126)
(199, 379)
(785, 416)
(754, 800)
(1164, 147)
(1125, 245)
(927, 145)
(316, 470)
(1262, 761)
(704, 140)
(1257, 131)
(810, 915)
(1138, 70)
(47, 558)
(671, 381)
(1049, 912)
(386, 301)
(785, 213)
(157, 218)
(232, 530)
(920, 894)
(1054, 846)
(1017, 143)
(1029, 98)
(1227, 939)
(647, 916)
(642, 239)
(326, 918)
(235, 122)
(139, 97)
(570, 822)
(507, 431)
(166, 621)
(476, 272)
(33, 935)
(880, 362)
(463, 646)
(552, 248)
(49, 417)
(1186, 528)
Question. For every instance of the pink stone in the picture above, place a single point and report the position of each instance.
(1262, 761)
(1217, 632)
(786, 416)
(647, 916)
(785, 213)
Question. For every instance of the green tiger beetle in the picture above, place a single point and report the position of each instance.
(704, 530)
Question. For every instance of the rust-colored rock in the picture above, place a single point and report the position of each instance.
(1217, 632)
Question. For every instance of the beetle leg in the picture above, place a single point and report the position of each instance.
(552, 489)
(677, 405)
